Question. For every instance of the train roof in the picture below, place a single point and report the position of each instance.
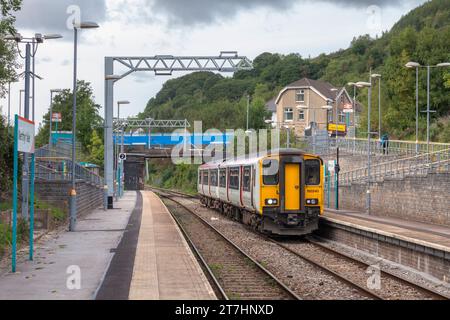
(249, 159)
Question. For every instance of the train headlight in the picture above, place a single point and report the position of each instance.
(271, 202)
(312, 202)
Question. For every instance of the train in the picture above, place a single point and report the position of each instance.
(280, 193)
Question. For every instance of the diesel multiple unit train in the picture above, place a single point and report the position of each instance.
(280, 193)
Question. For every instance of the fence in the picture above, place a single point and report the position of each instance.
(55, 164)
(435, 162)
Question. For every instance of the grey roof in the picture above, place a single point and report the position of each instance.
(322, 86)
(271, 106)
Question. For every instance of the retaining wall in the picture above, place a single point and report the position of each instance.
(425, 199)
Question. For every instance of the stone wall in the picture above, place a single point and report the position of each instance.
(89, 197)
(425, 199)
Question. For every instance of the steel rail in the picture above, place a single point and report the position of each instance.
(256, 263)
(423, 289)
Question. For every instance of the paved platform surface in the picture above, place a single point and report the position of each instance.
(163, 266)
(58, 255)
(430, 235)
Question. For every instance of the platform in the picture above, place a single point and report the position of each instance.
(427, 235)
(154, 261)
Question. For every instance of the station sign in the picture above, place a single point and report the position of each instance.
(25, 135)
(56, 117)
(340, 127)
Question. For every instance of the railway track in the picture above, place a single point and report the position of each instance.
(347, 269)
(234, 273)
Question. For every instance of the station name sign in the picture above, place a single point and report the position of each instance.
(25, 135)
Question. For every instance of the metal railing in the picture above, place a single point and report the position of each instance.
(55, 164)
(421, 165)
(392, 147)
(59, 169)
(360, 146)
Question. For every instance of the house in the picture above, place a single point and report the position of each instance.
(310, 104)
(272, 108)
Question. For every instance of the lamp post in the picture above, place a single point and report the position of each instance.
(362, 84)
(378, 76)
(353, 84)
(120, 164)
(73, 193)
(248, 107)
(28, 41)
(417, 65)
(51, 113)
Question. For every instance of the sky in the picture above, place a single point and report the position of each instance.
(180, 27)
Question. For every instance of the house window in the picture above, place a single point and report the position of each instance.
(301, 115)
(330, 116)
(342, 117)
(300, 96)
(288, 114)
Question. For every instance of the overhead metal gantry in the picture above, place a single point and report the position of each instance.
(226, 61)
(149, 123)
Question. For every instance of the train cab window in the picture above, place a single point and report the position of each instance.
(213, 178)
(246, 179)
(234, 178)
(270, 172)
(312, 172)
(200, 174)
(223, 178)
(205, 178)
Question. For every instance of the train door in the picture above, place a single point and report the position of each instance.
(292, 186)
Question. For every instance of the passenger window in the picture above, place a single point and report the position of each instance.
(223, 178)
(205, 178)
(213, 178)
(234, 178)
(312, 172)
(270, 172)
(246, 179)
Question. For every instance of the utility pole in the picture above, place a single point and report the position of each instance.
(25, 167)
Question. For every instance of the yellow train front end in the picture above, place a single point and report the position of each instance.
(291, 192)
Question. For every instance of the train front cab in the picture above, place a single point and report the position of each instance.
(291, 194)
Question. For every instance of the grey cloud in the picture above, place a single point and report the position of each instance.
(50, 16)
(193, 12)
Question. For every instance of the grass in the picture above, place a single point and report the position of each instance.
(6, 235)
(4, 206)
(56, 213)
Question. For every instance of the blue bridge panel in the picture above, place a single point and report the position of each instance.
(171, 139)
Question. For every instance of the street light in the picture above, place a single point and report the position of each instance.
(73, 193)
(51, 114)
(378, 76)
(368, 85)
(417, 65)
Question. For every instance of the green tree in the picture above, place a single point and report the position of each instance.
(96, 149)
(88, 118)
(7, 50)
